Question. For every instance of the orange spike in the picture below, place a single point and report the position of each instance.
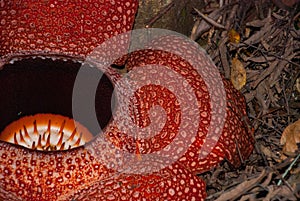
(77, 143)
(39, 145)
(26, 132)
(48, 141)
(73, 135)
(62, 126)
(49, 126)
(33, 145)
(48, 148)
(21, 136)
(44, 136)
(60, 139)
(35, 131)
(62, 146)
(15, 139)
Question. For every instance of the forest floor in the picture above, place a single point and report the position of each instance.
(256, 45)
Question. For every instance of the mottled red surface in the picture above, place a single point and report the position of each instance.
(80, 174)
(33, 175)
(101, 171)
(171, 183)
(236, 141)
(61, 27)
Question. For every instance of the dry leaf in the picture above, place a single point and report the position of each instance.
(295, 177)
(290, 137)
(234, 36)
(268, 153)
(280, 192)
(247, 32)
(243, 187)
(238, 74)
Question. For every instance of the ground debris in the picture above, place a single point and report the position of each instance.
(265, 38)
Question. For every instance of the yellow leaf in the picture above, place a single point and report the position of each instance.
(234, 36)
(290, 137)
(238, 74)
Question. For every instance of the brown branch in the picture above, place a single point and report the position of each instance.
(163, 11)
(209, 20)
(241, 188)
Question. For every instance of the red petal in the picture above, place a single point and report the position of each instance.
(69, 28)
(171, 183)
